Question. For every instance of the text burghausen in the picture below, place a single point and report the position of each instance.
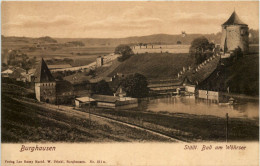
(37, 148)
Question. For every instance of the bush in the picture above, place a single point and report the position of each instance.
(125, 51)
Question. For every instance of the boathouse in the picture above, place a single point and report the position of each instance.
(105, 101)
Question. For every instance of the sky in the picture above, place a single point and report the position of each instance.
(102, 19)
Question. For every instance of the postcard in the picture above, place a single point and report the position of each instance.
(111, 83)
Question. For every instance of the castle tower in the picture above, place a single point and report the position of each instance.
(45, 85)
(234, 35)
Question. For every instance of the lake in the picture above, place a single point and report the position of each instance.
(193, 105)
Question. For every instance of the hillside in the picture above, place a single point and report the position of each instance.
(155, 66)
(241, 76)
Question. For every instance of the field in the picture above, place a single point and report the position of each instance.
(196, 128)
(80, 55)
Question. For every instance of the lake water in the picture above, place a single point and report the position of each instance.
(193, 105)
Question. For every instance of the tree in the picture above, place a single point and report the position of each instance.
(124, 50)
(103, 88)
(253, 36)
(199, 48)
(136, 85)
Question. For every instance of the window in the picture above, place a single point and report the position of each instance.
(243, 32)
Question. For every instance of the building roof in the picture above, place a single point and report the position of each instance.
(84, 99)
(42, 73)
(204, 72)
(8, 71)
(234, 20)
(105, 98)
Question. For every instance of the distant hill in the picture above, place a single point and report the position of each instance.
(28, 40)
(47, 39)
(151, 39)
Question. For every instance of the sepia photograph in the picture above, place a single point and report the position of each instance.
(129, 72)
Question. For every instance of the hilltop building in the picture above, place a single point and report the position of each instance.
(45, 84)
(234, 35)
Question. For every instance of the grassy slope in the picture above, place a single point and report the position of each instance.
(155, 66)
(30, 122)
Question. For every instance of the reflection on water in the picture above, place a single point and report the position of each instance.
(193, 105)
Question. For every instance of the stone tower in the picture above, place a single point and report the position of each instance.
(45, 85)
(234, 34)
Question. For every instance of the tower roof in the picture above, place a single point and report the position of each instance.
(42, 73)
(234, 20)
